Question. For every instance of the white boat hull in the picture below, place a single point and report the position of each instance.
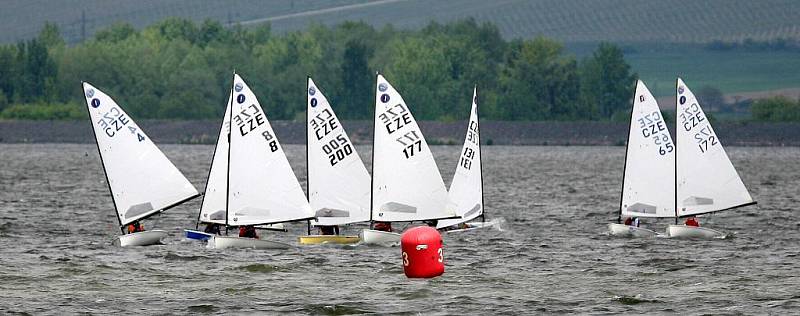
(145, 238)
(223, 242)
(629, 231)
(381, 238)
(683, 231)
(472, 226)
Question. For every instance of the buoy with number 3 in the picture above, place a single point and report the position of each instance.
(423, 256)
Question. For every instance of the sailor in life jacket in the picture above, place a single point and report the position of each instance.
(383, 226)
(691, 221)
(135, 227)
(248, 231)
(329, 230)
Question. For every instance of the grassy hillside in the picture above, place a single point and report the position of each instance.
(565, 20)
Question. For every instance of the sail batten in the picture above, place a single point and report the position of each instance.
(338, 181)
(142, 180)
(466, 189)
(405, 175)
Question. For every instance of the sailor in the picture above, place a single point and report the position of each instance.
(329, 230)
(628, 221)
(635, 222)
(212, 228)
(691, 221)
(248, 231)
(135, 227)
(383, 226)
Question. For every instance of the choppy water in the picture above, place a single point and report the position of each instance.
(57, 223)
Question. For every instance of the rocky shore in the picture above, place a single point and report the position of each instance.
(493, 132)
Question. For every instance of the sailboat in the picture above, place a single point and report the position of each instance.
(259, 186)
(406, 183)
(706, 180)
(141, 179)
(466, 189)
(648, 188)
(338, 183)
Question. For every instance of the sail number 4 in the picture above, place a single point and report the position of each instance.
(114, 120)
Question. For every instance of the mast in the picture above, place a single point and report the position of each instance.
(625, 160)
(675, 178)
(480, 153)
(102, 163)
(372, 162)
(213, 155)
(308, 176)
(228, 171)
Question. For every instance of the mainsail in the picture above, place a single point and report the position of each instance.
(141, 178)
(466, 189)
(338, 182)
(407, 185)
(648, 185)
(262, 188)
(213, 208)
(706, 179)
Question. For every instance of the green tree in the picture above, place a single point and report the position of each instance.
(606, 81)
(776, 109)
(358, 82)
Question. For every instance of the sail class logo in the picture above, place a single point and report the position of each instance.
(238, 87)
(312, 91)
(313, 102)
(382, 87)
(683, 100)
(680, 89)
(384, 98)
(240, 98)
(95, 103)
(89, 93)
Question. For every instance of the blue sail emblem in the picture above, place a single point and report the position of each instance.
(312, 90)
(95, 103)
(382, 87)
(89, 93)
(238, 87)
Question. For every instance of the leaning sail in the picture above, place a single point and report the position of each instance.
(142, 179)
(263, 188)
(407, 185)
(707, 180)
(648, 188)
(338, 182)
(466, 189)
(213, 208)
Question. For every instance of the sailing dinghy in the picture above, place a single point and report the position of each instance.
(706, 180)
(466, 189)
(338, 183)
(648, 186)
(213, 205)
(406, 183)
(260, 186)
(141, 179)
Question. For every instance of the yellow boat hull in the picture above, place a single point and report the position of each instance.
(327, 239)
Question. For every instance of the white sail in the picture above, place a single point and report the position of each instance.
(263, 188)
(648, 188)
(142, 179)
(707, 180)
(407, 184)
(213, 208)
(466, 189)
(338, 182)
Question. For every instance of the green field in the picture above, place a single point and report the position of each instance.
(728, 71)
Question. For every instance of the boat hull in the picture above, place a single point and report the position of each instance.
(629, 231)
(327, 239)
(224, 242)
(380, 238)
(683, 231)
(472, 226)
(196, 235)
(145, 238)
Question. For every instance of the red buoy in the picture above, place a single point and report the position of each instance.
(423, 256)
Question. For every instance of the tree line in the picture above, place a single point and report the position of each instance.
(178, 69)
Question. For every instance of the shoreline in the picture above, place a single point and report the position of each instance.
(437, 133)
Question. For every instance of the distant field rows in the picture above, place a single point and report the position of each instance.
(566, 20)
